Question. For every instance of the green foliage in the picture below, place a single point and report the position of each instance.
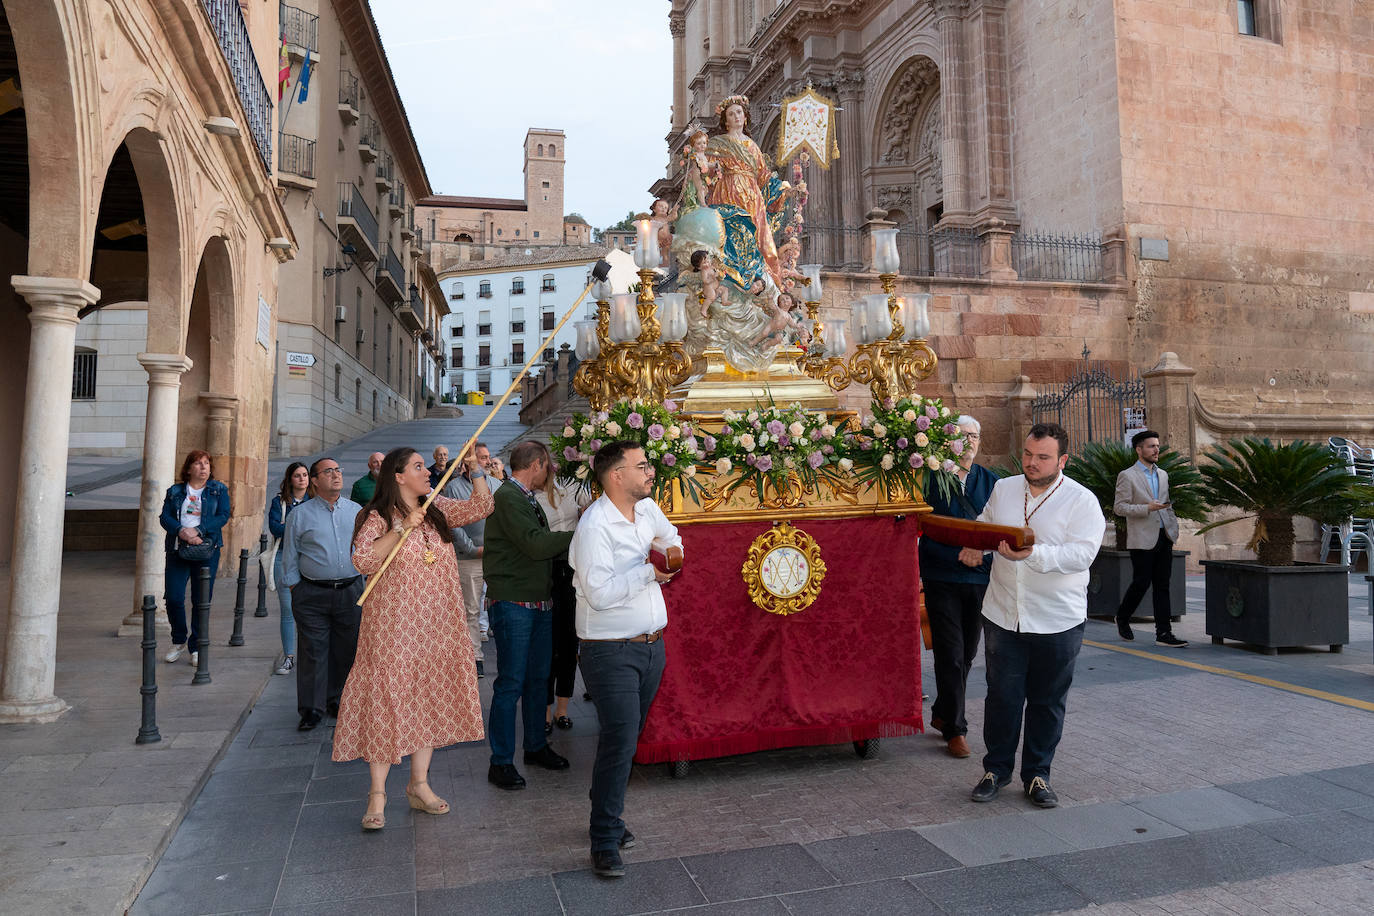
(1100, 463)
(1274, 483)
(625, 224)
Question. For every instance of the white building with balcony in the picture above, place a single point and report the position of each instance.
(501, 310)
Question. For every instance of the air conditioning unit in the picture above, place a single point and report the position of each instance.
(362, 335)
(340, 313)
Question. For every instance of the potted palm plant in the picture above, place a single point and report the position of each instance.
(1273, 601)
(1097, 467)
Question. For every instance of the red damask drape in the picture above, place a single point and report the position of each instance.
(738, 679)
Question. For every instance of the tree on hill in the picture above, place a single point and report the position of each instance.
(627, 223)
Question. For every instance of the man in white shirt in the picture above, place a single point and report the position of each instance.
(620, 621)
(1034, 612)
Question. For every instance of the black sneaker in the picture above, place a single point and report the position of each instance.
(547, 758)
(1171, 641)
(607, 863)
(1124, 628)
(988, 787)
(627, 839)
(480, 673)
(1040, 794)
(505, 776)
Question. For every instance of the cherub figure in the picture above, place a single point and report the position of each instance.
(701, 172)
(662, 216)
(783, 321)
(788, 254)
(711, 288)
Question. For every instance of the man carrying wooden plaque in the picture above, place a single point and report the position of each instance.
(1034, 612)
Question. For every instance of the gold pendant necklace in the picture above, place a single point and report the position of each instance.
(429, 555)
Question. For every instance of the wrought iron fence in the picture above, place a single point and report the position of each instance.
(1046, 256)
(396, 197)
(348, 89)
(300, 28)
(368, 132)
(386, 168)
(353, 205)
(296, 154)
(1093, 406)
(226, 19)
(936, 253)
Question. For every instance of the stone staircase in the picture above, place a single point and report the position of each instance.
(100, 529)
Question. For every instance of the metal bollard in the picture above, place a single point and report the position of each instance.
(262, 578)
(237, 638)
(200, 606)
(147, 729)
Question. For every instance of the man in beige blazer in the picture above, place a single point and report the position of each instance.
(1142, 498)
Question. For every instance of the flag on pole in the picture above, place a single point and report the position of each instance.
(284, 73)
(305, 78)
(808, 124)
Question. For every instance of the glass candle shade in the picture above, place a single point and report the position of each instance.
(832, 332)
(601, 290)
(918, 324)
(672, 316)
(624, 317)
(646, 245)
(879, 315)
(588, 347)
(858, 316)
(813, 276)
(885, 260)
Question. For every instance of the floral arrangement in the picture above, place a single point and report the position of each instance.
(768, 442)
(902, 442)
(671, 446)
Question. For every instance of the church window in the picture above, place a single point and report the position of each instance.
(536, 233)
(1258, 18)
(553, 150)
(83, 375)
(1245, 10)
(541, 150)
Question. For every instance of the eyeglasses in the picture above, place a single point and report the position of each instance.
(643, 467)
(329, 471)
(972, 436)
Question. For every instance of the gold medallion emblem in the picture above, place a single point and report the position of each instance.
(783, 570)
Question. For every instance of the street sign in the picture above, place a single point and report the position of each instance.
(305, 360)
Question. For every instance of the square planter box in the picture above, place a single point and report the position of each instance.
(1110, 576)
(1278, 606)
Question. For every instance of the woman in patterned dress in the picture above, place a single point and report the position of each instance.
(413, 686)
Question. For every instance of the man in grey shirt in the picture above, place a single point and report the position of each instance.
(317, 565)
(468, 543)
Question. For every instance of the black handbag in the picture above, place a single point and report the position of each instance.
(196, 553)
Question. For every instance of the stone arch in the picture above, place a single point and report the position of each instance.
(210, 345)
(909, 92)
(164, 216)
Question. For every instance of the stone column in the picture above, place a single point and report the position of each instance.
(1020, 403)
(996, 236)
(949, 19)
(26, 691)
(1114, 258)
(219, 428)
(1169, 403)
(159, 468)
(850, 84)
(677, 27)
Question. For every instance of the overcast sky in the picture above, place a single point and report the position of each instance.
(476, 74)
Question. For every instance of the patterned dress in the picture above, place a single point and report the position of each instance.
(414, 680)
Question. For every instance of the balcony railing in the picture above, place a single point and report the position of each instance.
(300, 28)
(348, 89)
(396, 200)
(390, 266)
(296, 155)
(368, 132)
(1044, 256)
(938, 253)
(353, 206)
(386, 169)
(226, 19)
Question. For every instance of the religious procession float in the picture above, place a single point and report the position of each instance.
(799, 520)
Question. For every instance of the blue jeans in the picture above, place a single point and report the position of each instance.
(179, 574)
(288, 623)
(524, 651)
(1030, 671)
(623, 679)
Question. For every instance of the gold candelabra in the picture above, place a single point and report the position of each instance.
(646, 368)
(890, 366)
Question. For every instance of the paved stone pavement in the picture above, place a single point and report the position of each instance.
(1182, 791)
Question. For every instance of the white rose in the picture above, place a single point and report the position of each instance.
(887, 462)
(753, 415)
(932, 463)
(909, 415)
(729, 416)
(846, 465)
(674, 432)
(822, 419)
(879, 430)
(796, 429)
(944, 411)
(723, 466)
(690, 470)
(746, 442)
(581, 472)
(827, 431)
(612, 428)
(763, 439)
(588, 431)
(568, 431)
(922, 440)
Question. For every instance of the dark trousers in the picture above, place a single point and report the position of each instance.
(955, 612)
(179, 573)
(1028, 672)
(523, 650)
(563, 670)
(623, 678)
(1150, 568)
(326, 641)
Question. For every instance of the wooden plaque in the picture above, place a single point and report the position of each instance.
(963, 532)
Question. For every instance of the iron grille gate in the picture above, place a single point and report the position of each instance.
(1093, 406)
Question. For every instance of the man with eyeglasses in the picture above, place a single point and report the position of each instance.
(620, 620)
(317, 565)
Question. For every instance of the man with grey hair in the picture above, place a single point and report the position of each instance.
(954, 592)
(365, 486)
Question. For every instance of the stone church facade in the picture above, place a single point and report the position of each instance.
(1123, 176)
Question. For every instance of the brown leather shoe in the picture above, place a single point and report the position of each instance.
(937, 724)
(958, 747)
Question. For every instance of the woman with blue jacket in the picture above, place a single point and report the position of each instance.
(295, 487)
(193, 515)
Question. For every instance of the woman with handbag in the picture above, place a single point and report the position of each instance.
(295, 485)
(193, 514)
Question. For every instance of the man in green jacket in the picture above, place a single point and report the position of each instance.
(517, 563)
(366, 485)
